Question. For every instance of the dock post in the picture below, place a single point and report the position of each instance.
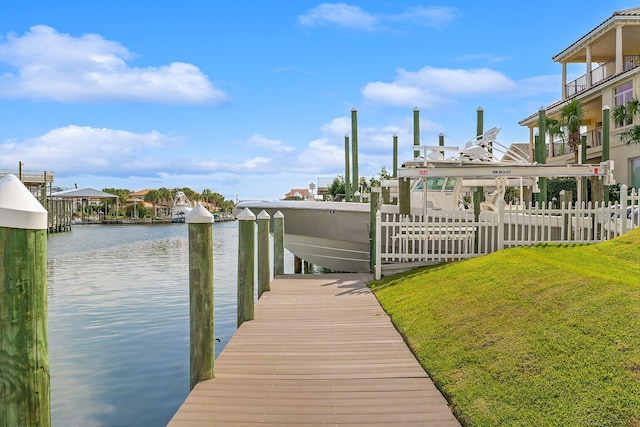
(355, 178)
(201, 309)
(416, 132)
(24, 344)
(278, 244)
(375, 206)
(246, 265)
(264, 271)
(395, 155)
(347, 169)
(606, 122)
(404, 196)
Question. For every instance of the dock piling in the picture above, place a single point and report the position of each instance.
(264, 269)
(278, 244)
(24, 351)
(246, 265)
(201, 308)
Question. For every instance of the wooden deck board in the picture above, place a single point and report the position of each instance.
(321, 351)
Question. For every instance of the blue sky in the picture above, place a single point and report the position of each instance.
(253, 98)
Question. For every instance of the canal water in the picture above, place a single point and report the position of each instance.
(119, 320)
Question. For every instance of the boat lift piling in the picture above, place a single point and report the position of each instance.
(201, 306)
(355, 181)
(347, 170)
(264, 270)
(606, 122)
(24, 356)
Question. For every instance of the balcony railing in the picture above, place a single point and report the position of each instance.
(560, 148)
(600, 73)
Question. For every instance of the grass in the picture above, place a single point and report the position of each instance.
(534, 336)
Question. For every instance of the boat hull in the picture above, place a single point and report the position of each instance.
(333, 235)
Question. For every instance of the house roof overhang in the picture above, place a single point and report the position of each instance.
(602, 39)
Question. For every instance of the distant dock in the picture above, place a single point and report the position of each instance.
(320, 351)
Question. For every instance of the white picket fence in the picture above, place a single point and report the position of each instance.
(441, 236)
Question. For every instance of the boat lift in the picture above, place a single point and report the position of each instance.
(506, 169)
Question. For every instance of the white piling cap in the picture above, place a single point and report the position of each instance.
(264, 215)
(199, 215)
(18, 207)
(278, 215)
(246, 215)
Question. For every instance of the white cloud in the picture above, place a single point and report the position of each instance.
(339, 15)
(431, 86)
(52, 65)
(82, 149)
(338, 126)
(353, 17)
(397, 94)
(434, 16)
(263, 143)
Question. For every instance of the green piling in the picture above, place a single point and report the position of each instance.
(278, 244)
(374, 202)
(606, 122)
(354, 150)
(246, 265)
(584, 194)
(386, 195)
(395, 155)
(347, 170)
(416, 132)
(441, 139)
(24, 345)
(264, 269)
(541, 153)
(404, 196)
(201, 308)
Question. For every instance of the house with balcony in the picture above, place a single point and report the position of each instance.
(610, 55)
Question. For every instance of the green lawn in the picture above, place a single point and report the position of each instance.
(534, 336)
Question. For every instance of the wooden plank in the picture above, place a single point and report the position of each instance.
(320, 351)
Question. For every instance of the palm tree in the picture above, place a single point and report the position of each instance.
(567, 126)
(571, 119)
(152, 197)
(623, 114)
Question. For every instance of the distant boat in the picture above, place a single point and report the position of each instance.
(181, 207)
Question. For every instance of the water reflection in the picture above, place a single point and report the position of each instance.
(119, 320)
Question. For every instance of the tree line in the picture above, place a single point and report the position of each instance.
(165, 196)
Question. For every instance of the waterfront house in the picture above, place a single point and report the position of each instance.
(298, 194)
(609, 58)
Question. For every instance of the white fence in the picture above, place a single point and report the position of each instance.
(454, 235)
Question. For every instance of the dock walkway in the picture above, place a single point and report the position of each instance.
(321, 351)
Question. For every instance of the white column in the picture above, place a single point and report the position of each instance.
(618, 49)
(564, 80)
(589, 80)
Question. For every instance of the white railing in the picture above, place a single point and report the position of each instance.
(454, 235)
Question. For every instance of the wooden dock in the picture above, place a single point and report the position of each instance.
(321, 351)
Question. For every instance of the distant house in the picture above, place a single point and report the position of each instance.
(610, 55)
(158, 210)
(298, 194)
(139, 194)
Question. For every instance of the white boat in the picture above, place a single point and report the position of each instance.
(336, 235)
(181, 207)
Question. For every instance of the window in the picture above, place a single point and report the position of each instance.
(635, 172)
(622, 95)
